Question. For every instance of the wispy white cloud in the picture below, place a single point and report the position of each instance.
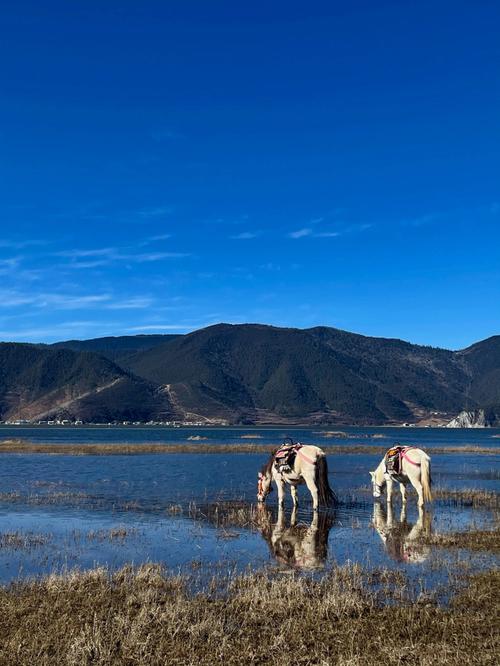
(88, 264)
(136, 303)
(313, 232)
(246, 235)
(10, 263)
(301, 233)
(51, 300)
(94, 258)
(66, 301)
(307, 232)
(155, 212)
(422, 220)
(12, 269)
(188, 325)
(159, 237)
(19, 245)
(70, 302)
(155, 256)
(13, 299)
(160, 327)
(72, 329)
(96, 252)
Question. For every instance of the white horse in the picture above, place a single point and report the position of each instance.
(414, 468)
(403, 540)
(309, 466)
(298, 546)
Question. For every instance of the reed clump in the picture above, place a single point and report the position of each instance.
(474, 497)
(475, 540)
(23, 540)
(145, 617)
(230, 513)
(112, 534)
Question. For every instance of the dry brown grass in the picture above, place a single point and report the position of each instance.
(22, 446)
(476, 540)
(144, 617)
(227, 513)
(474, 497)
(65, 498)
(112, 534)
(23, 540)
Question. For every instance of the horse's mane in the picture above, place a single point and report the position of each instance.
(267, 466)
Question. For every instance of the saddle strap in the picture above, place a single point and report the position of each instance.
(303, 455)
(404, 456)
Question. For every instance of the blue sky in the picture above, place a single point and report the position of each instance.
(169, 165)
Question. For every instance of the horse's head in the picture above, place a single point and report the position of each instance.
(377, 485)
(264, 486)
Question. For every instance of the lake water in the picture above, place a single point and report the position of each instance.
(423, 437)
(59, 512)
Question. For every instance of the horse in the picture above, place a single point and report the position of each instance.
(414, 468)
(303, 547)
(307, 465)
(401, 539)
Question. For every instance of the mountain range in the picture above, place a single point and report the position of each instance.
(248, 373)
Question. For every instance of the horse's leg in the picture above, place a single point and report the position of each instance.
(419, 489)
(389, 489)
(295, 497)
(311, 485)
(390, 517)
(402, 488)
(280, 484)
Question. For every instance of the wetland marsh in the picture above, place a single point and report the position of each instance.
(196, 502)
(110, 536)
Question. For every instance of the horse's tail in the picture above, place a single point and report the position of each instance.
(426, 480)
(326, 496)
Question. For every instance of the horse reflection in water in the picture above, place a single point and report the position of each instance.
(297, 546)
(401, 538)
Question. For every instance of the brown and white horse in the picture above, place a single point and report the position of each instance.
(414, 468)
(309, 466)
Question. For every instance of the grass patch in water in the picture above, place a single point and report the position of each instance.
(229, 513)
(468, 497)
(475, 540)
(64, 498)
(146, 617)
(23, 540)
(112, 534)
(22, 446)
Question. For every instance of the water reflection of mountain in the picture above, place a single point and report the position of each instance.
(297, 545)
(400, 537)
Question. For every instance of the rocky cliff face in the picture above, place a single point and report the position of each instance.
(476, 418)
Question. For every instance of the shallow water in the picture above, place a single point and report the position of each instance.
(62, 509)
(424, 437)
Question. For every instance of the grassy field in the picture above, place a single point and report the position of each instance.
(145, 617)
(22, 446)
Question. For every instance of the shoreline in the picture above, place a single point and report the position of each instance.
(21, 446)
